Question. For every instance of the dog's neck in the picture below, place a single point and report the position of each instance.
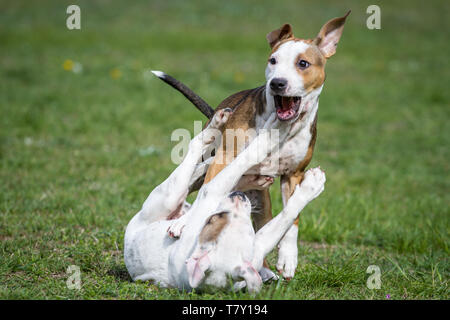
(310, 106)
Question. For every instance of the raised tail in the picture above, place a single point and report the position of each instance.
(187, 92)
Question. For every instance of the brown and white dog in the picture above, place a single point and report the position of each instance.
(295, 75)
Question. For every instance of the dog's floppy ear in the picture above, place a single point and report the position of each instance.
(329, 35)
(196, 266)
(199, 261)
(277, 35)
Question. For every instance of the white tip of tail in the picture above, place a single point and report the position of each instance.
(159, 74)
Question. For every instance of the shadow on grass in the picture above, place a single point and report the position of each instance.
(119, 271)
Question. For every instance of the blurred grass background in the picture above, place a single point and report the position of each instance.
(80, 151)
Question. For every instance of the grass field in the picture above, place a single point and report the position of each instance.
(80, 151)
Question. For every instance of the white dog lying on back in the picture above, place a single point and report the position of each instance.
(218, 240)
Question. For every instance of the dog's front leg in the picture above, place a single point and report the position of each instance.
(271, 233)
(167, 198)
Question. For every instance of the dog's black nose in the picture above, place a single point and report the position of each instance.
(239, 194)
(278, 84)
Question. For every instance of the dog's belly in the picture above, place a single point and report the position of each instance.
(287, 159)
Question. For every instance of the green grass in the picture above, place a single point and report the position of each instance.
(75, 162)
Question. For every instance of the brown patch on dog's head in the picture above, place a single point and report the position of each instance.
(213, 227)
(314, 75)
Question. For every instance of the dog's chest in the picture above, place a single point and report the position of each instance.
(290, 154)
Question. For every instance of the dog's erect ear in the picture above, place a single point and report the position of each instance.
(196, 266)
(329, 35)
(276, 36)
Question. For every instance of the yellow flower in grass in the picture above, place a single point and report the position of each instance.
(68, 65)
(115, 73)
(239, 77)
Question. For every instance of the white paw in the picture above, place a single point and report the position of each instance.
(312, 185)
(261, 182)
(267, 275)
(176, 228)
(220, 118)
(287, 261)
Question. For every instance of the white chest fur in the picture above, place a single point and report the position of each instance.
(292, 150)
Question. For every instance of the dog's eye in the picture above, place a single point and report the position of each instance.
(272, 60)
(303, 64)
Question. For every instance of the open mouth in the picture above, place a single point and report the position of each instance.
(287, 107)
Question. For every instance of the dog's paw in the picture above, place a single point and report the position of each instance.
(260, 182)
(220, 118)
(267, 275)
(254, 182)
(287, 261)
(312, 185)
(175, 230)
(239, 285)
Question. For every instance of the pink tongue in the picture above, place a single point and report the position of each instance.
(285, 113)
